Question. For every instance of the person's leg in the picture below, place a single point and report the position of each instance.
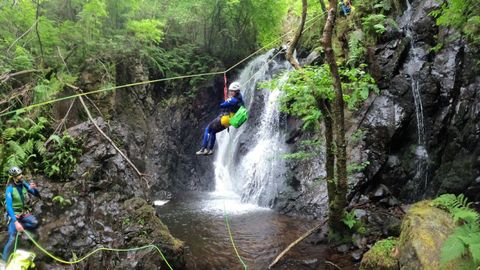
(206, 136)
(7, 249)
(213, 137)
(29, 222)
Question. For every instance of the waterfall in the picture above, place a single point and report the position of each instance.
(249, 161)
(415, 62)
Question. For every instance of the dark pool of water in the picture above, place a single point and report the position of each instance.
(260, 234)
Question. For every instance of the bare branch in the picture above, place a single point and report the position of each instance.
(296, 38)
(24, 34)
(294, 243)
(61, 123)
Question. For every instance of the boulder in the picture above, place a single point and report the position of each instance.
(424, 230)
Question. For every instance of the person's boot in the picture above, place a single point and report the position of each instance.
(202, 151)
(209, 152)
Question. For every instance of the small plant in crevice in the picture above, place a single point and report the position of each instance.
(353, 223)
(462, 247)
(308, 149)
(357, 136)
(61, 200)
(357, 167)
(60, 161)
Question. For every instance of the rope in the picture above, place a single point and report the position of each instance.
(21, 110)
(94, 251)
(245, 266)
(225, 90)
(280, 51)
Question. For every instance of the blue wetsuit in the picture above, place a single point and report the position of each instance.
(230, 105)
(28, 221)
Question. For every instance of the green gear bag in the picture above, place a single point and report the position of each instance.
(240, 117)
(21, 260)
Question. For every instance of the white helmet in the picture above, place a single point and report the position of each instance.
(235, 86)
(14, 171)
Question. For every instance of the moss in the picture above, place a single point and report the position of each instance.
(424, 230)
(380, 256)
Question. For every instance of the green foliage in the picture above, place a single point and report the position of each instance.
(308, 149)
(303, 90)
(349, 219)
(61, 200)
(374, 24)
(458, 206)
(461, 15)
(357, 136)
(23, 144)
(148, 31)
(356, 48)
(354, 224)
(357, 167)
(464, 243)
(60, 161)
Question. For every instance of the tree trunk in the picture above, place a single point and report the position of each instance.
(324, 9)
(296, 38)
(325, 107)
(37, 17)
(340, 201)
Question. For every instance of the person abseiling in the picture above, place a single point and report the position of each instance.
(229, 108)
(15, 202)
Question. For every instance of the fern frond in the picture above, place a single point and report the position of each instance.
(55, 138)
(452, 249)
(16, 150)
(356, 48)
(9, 133)
(28, 146)
(40, 148)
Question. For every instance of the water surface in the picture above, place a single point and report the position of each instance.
(260, 234)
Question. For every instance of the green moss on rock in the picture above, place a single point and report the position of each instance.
(380, 256)
(424, 229)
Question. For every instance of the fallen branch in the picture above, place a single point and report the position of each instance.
(332, 264)
(294, 243)
(305, 235)
(18, 92)
(8, 76)
(24, 34)
(110, 140)
(61, 123)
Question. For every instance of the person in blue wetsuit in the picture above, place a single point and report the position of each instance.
(229, 108)
(18, 214)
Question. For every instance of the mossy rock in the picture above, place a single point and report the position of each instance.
(380, 256)
(424, 230)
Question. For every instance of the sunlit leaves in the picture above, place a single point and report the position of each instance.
(146, 30)
(462, 15)
(305, 89)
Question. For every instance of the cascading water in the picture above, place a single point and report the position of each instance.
(249, 160)
(415, 62)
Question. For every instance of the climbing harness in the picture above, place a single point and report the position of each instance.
(91, 252)
(24, 109)
(227, 224)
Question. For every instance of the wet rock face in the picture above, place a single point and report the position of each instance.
(448, 81)
(107, 206)
(162, 131)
